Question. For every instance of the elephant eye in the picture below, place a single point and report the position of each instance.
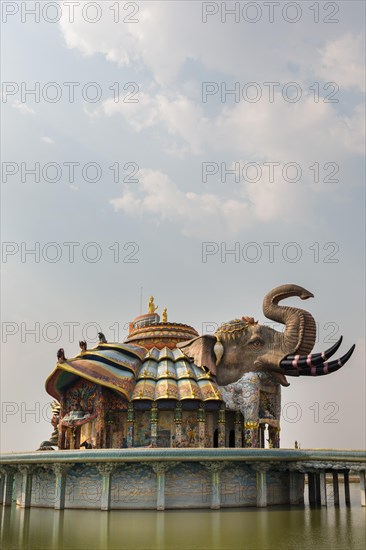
(256, 343)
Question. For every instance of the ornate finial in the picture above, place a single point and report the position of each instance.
(152, 307)
(164, 316)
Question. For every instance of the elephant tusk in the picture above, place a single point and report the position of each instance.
(311, 360)
(218, 351)
(323, 368)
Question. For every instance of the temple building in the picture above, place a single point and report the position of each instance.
(157, 413)
(146, 393)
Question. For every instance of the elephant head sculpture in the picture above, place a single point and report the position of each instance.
(242, 345)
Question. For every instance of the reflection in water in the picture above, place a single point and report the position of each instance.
(277, 528)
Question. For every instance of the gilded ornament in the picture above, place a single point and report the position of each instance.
(151, 307)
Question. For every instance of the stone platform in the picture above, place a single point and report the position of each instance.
(146, 478)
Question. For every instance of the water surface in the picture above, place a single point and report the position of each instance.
(276, 528)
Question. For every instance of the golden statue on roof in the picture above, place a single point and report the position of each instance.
(164, 316)
(152, 308)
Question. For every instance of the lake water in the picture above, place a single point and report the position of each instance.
(276, 528)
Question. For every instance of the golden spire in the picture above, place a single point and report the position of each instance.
(164, 316)
(152, 308)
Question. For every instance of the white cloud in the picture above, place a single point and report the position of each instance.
(343, 61)
(171, 44)
(301, 132)
(278, 131)
(22, 108)
(351, 130)
(159, 197)
(207, 214)
(169, 36)
(47, 140)
(158, 41)
(179, 119)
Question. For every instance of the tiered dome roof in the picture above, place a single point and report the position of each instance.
(167, 374)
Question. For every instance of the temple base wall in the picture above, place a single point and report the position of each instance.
(135, 486)
(162, 479)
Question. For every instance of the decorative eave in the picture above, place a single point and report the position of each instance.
(110, 365)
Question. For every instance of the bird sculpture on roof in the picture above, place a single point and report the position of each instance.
(102, 338)
(61, 355)
(83, 346)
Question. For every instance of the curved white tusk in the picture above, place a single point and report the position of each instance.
(218, 351)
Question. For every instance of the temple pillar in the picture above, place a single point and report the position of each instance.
(26, 491)
(261, 483)
(312, 488)
(293, 487)
(222, 426)
(2, 484)
(100, 426)
(215, 469)
(61, 443)
(8, 486)
(363, 487)
(251, 434)
(160, 468)
(130, 425)
(323, 487)
(262, 442)
(201, 419)
(347, 497)
(178, 414)
(335, 487)
(317, 488)
(105, 470)
(61, 437)
(101, 433)
(238, 429)
(154, 419)
(60, 471)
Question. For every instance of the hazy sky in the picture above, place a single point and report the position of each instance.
(136, 133)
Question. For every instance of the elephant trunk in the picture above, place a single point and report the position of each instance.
(300, 332)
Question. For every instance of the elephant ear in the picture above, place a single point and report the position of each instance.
(201, 350)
